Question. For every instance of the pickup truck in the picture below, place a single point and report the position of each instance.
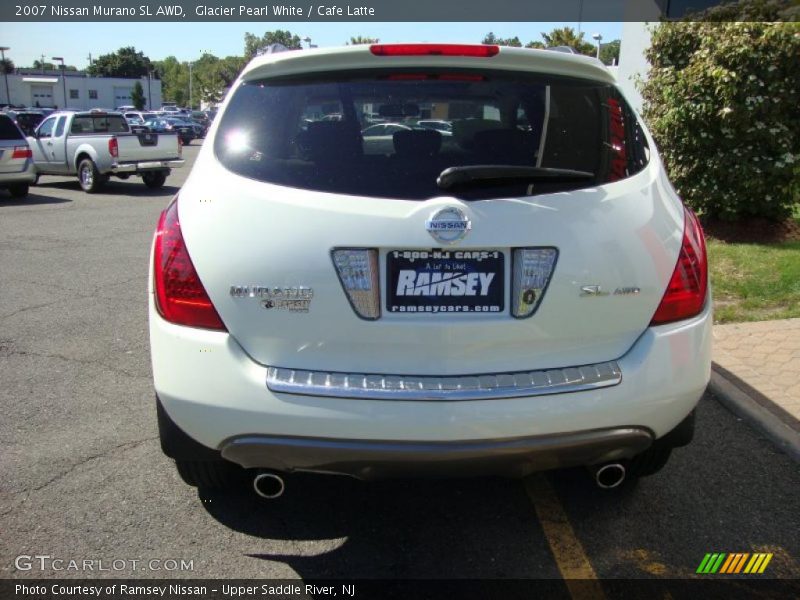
(94, 145)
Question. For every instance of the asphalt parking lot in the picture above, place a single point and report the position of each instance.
(83, 476)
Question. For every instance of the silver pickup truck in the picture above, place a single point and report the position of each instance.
(94, 145)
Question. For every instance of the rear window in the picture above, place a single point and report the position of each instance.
(99, 124)
(390, 134)
(8, 130)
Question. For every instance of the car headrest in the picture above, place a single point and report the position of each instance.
(512, 146)
(332, 141)
(416, 142)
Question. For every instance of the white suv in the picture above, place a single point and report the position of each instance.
(525, 294)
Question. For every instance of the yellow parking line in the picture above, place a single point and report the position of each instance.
(574, 565)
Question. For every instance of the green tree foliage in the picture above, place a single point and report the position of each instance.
(125, 62)
(491, 38)
(253, 45)
(174, 77)
(609, 53)
(557, 37)
(213, 75)
(356, 40)
(567, 36)
(46, 66)
(7, 66)
(137, 96)
(721, 101)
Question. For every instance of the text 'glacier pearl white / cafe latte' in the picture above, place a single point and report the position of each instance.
(524, 293)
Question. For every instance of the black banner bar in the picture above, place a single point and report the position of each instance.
(706, 587)
(348, 10)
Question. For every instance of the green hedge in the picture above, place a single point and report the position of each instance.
(723, 103)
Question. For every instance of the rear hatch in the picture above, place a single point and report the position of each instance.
(539, 234)
(14, 149)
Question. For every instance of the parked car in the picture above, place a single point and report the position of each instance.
(172, 125)
(136, 124)
(379, 138)
(508, 302)
(95, 145)
(16, 162)
(26, 120)
(443, 127)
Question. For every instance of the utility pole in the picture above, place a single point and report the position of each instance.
(149, 95)
(5, 72)
(63, 77)
(90, 59)
(190, 85)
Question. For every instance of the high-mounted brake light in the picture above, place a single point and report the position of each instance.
(435, 77)
(22, 152)
(113, 147)
(474, 50)
(180, 295)
(686, 292)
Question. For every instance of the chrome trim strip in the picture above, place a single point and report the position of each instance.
(448, 388)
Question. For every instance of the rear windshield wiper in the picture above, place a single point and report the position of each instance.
(467, 174)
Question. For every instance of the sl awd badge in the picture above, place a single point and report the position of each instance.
(448, 225)
(294, 299)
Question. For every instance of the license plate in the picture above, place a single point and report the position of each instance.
(445, 281)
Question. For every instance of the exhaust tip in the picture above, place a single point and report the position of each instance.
(269, 485)
(610, 476)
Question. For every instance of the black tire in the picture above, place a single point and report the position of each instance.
(123, 176)
(211, 475)
(154, 179)
(88, 176)
(649, 462)
(18, 190)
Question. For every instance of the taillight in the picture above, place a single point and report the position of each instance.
(686, 292)
(22, 152)
(180, 295)
(113, 147)
(473, 50)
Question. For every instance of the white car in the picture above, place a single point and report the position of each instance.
(515, 300)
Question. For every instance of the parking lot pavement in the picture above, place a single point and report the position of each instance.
(84, 478)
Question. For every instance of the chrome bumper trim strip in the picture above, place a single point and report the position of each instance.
(448, 388)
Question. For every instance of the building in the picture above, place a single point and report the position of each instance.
(29, 87)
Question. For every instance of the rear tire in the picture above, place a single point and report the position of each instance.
(211, 475)
(89, 177)
(18, 190)
(154, 180)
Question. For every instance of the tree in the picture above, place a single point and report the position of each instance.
(137, 96)
(46, 66)
(362, 40)
(719, 102)
(254, 45)
(534, 44)
(566, 36)
(609, 53)
(125, 62)
(491, 38)
(174, 77)
(7, 66)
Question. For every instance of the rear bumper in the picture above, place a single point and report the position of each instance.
(150, 165)
(26, 174)
(219, 397)
(371, 459)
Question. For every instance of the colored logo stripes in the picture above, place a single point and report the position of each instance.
(742, 562)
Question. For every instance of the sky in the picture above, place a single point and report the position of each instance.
(188, 41)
